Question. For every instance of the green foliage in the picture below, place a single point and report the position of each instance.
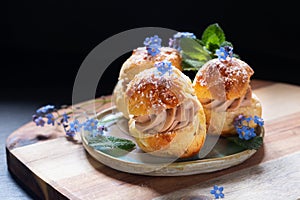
(196, 52)
(102, 143)
(254, 143)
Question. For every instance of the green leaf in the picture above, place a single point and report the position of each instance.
(102, 143)
(213, 36)
(254, 143)
(191, 65)
(193, 50)
(226, 43)
(193, 53)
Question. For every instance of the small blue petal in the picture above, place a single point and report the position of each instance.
(224, 52)
(164, 67)
(90, 125)
(152, 45)
(51, 118)
(221, 189)
(153, 50)
(65, 117)
(70, 133)
(45, 109)
(259, 121)
(39, 121)
(248, 119)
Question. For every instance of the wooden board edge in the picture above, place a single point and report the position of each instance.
(31, 183)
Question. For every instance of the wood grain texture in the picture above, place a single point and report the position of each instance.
(279, 180)
(60, 168)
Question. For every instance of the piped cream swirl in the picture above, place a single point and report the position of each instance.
(228, 105)
(169, 119)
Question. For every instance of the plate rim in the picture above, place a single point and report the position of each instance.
(245, 154)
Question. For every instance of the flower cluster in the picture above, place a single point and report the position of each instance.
(224, 52)
(153, 44)
(175, 41)
(242, 126)
(217, 191)
(164, 67)
(52, 116)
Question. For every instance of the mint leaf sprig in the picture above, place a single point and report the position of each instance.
(254, 143)
(103, 143)
(195, 52)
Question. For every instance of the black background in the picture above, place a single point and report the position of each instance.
(43, 43)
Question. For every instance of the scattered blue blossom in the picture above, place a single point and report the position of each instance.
(152, 40)
(175, 41)
(71, 127)
(153, 50)
(65, 117)
(164, 67)
(39, 121)
(153, 44)
(218, 192)
(242, 126)
(70, 133)
(75, 126)
(259, 121)
(90, 124)
(45, 110)
(224, 52)
(51, 118)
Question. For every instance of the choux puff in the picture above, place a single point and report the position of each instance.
(223, 88)
(166, 118)
(137, 62)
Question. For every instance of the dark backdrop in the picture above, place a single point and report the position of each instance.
(43, 43)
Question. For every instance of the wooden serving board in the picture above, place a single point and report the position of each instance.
(50, 166)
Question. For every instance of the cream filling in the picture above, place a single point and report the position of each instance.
(168, 120)
(229, 105)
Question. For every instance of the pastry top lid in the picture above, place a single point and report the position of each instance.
(154, 89)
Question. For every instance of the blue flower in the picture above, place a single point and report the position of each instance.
(65, 117)
(175, 41)
(90, 125)
(152, 45)
(45, 110)
(217, 191)
(153, 49)
(39, 121)
(51, 118)
(75, 126)
(164, 67)
(224, 52)
(242, 126)
(152, 40)
(246, 133)
(70, 133)
(259, 121)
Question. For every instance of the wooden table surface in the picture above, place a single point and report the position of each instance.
(56, 168)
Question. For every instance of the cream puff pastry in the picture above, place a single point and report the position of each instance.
(223, 88)
(137, 62)
(166, 118)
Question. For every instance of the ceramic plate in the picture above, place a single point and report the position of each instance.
(223, 155)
